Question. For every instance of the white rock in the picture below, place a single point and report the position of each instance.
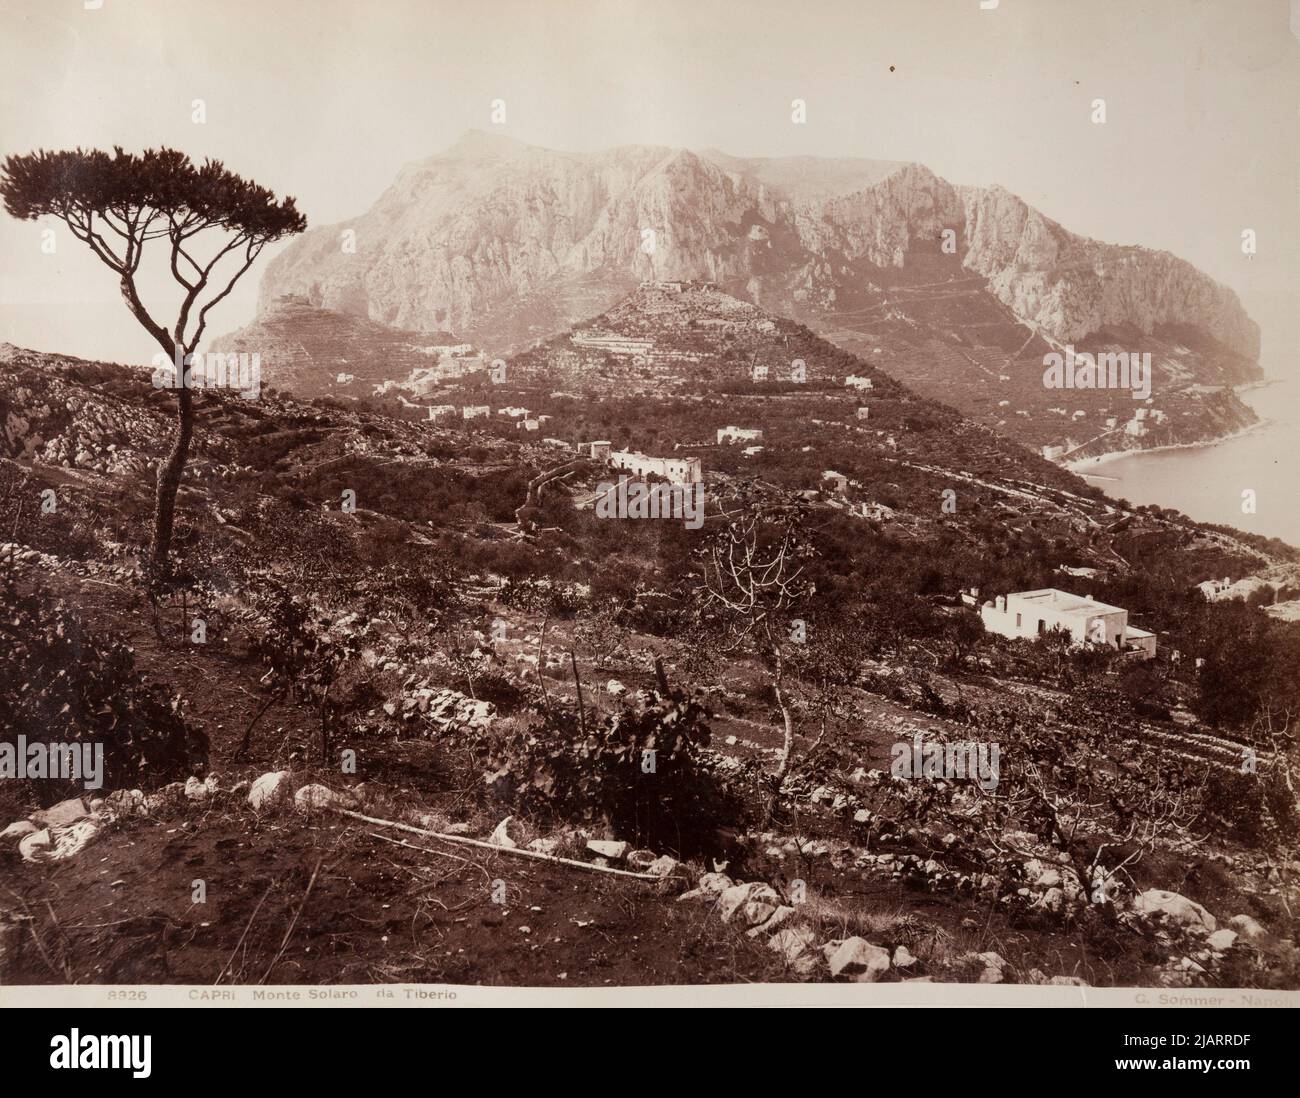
(196, 790)
(1175, 909)
(501, 836)
(994, 966)
(127, 802)
(71, 840)
(615, 688)
(1247, 927)
(316, 798)
(903, 958)
(641, 860)
(664, 866)
(269, 791)
(1222, 940)
(61, 814)
(739, 897)
(1052, 900)
(856, 959)
(772, 923)
(18, 829)
(33, 846)
(1049, 878)
(794, 944)
(605, 848)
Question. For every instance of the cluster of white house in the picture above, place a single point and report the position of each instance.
(1032, 613)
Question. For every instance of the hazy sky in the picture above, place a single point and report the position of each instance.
(326, 99)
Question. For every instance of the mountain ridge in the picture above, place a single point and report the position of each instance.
(491, 218)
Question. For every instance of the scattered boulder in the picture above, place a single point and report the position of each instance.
(739, 897)
(1182, 972)
(770, 925)
(171, 795)
(445, 710)
(196, 790)
(795, 945)
(71, 840)
(1247, 928)
(1052, 900)
(317, 798)
(544, 846)
(1222, 940)
(269, 791)
(605, 848)
(903, 958)
(665, 866)
(127, 802)
(710, 887)
(615, 689)
(17, 830)
(641, 860)
(856, 959)
(62, 814)
(1176, 910)
(993, 970)
(35, 845)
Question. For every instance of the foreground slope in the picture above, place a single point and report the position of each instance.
(444, 640)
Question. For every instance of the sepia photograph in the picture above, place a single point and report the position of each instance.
(574, 503)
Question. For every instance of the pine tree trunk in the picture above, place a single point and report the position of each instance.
(169, 477)
(169, 472)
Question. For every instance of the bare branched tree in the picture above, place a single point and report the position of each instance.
(754, 575)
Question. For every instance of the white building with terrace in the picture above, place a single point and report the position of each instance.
(674, 470)
(1030, 614)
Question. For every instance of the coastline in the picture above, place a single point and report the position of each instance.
(1081, 465)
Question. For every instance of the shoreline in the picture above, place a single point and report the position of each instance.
(1080, 465)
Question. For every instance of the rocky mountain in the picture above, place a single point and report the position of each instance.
(460, 238)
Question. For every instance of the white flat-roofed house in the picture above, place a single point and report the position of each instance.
(739, 434)
(674, 470)
(475, 411)
(855, 382)
(839, 480)
(1030, 614)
